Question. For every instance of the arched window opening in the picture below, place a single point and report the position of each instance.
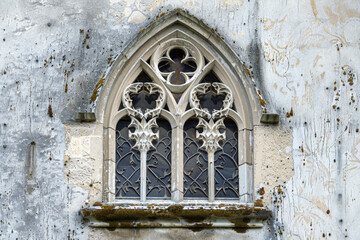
(178, 124)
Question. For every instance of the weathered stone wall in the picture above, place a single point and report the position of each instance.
(302, 55)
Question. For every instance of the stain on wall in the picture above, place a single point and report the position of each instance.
(304, 58)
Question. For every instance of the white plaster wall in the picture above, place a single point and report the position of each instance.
(303, 56)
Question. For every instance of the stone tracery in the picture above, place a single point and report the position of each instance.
(178, 65)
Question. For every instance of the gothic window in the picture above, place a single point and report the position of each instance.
(178, 122)
(178, 135)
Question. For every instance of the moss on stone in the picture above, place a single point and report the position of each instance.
(200, 226)
(108, 213)
(175, 208)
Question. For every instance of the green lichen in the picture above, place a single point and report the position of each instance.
(175, 208)
(126, 224)
(241, 225)
(108, 213)
(195, 215)
(197, 219)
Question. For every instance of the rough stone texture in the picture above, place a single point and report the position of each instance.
(273, 160)
(302, 55)
(83, 165)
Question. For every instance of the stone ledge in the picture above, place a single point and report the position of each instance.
(270, 118)
(237, 217)
(85, 117)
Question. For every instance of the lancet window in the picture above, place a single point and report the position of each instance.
(178, 133)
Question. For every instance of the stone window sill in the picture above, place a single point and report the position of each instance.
(195, 217)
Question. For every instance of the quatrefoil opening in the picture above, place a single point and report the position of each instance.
(144, 100)
(177, 63)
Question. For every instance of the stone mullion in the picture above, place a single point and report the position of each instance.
(143, 135)
(177, 164)
(211, 136)
(143, 171)
(211, 176)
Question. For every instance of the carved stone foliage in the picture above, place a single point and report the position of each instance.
(143, 134)
(211, 135)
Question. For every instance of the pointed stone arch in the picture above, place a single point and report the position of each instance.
(176, 23)
(220, 59)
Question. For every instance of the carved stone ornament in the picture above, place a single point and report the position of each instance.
(177, 63)
(211, 135)
(203, 88)
(143, 134)
(151, 88)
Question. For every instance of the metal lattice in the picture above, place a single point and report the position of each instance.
(226, 165)
(159, 164)
(195, 164)
(143, 143)
(127, 176)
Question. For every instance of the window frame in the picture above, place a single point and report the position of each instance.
(222, 62)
